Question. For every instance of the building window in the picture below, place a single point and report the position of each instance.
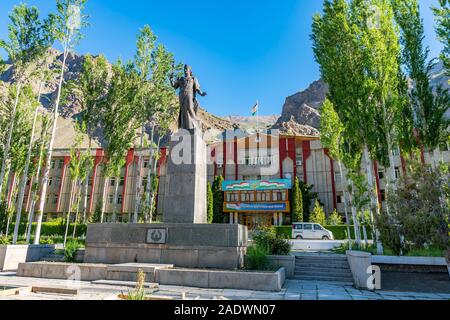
(60, 164)
(145, 164)
(55, 199)
(50, 181)
(119, 199)
(444, 147)
(338, 178)
(383, 195)
(396, 151)
(110, 199)
(381, 174)
(339, 198)
(122, 182)
(397, 173)
(112, 182)
(47, 197)
(277, 196)
(53, 164)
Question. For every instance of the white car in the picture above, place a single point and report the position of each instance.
(311, 231)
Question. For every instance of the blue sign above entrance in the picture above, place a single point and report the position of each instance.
(259, 207)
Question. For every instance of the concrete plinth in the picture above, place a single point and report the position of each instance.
(186, 179)
(220, 246)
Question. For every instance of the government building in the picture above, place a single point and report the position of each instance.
(259, 171)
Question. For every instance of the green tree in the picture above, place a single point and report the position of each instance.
(335, 219)
(210, 203)
(218, 200)
(29, 37)
(66, 26)
(297, 202)
(429, 109)
(308, 197)
(119, 123)
(442, 15)
(90, 89)
(318, 215)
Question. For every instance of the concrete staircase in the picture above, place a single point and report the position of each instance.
(323, 267)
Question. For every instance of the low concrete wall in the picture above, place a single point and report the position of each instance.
(286, 262)
(62, 271)
(12, 255)
(359, 264)
(260, 281)
(162, 274)
(315, 245)
(416, 261)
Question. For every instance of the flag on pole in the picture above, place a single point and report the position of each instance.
(255, 109)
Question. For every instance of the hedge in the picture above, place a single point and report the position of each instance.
(339, 232)
(54, 228)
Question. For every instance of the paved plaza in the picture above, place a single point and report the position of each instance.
(293, 290)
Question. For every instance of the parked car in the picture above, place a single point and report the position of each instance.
(311, 231)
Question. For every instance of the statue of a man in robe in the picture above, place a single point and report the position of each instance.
(189, 88)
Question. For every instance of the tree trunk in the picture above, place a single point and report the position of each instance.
(7, 147)
(149, 177)
(137, 199)
(49, 153)
(85, 199)
(24, 180)
(373, 197)
(78, 199)
(72, 191)
(116, 203)
(344, 183)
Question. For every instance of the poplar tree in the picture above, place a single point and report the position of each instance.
(297, 202)
(210, 202)
(29, 38)
(66, 26)
(218, 200)
(442, 15)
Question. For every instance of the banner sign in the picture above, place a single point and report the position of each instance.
(251, 185)
(269, 207)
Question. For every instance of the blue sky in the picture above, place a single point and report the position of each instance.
(241, 51)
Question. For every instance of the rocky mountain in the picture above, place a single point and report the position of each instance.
(301, 111)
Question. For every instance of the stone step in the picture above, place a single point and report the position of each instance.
(324, 259)
(322, 270)
(325, 274)
(348, 280)
(322, 264)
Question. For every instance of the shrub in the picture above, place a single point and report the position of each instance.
(71, 250)
(256, 258)
(4, 240)
(318, 215)
(284, 231)
(275, 244)
(334, 219)
(139, 291)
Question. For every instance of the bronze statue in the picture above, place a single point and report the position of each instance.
(189, 87)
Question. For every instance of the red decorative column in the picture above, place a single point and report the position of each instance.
(306, 145)
(98, 159)
(63, 176)
(236, 166)
(403, 164)
(225, 159)
(333, 182)
(129, 161)
(292, 153)
(377, 178)
(282, 145)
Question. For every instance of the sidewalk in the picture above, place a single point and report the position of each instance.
(293, 290)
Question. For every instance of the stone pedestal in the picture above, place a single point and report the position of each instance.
(219, 246)
(186, 179)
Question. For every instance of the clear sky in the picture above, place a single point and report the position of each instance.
(241, 50)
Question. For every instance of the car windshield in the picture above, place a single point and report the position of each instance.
(317, 227)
